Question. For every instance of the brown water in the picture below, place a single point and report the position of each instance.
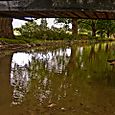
(75, 80)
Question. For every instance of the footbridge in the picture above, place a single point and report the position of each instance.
(84, 9)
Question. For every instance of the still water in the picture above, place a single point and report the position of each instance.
(75, 80)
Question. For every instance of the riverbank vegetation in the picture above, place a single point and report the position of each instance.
(87, 29)
(82, 29)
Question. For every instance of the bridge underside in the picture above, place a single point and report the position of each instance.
(59, 13)
(84, 9)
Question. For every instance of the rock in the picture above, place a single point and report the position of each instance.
(52, 105)
(63, 109)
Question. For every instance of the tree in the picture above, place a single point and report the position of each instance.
(6, 29)
(106, 26)
(75, 27)
(100, 27)
(33, 30)
(43, 23)
(66, 22)
(30, 29)
(88, 25)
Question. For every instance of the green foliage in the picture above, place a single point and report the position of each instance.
(43, 23)
(65, 21)
(29, 30)
(103, 28)
(87, 28)
(32, 30)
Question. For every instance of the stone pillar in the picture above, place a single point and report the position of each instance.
(6, 28)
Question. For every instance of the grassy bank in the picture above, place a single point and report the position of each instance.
(29, 43)
(19, 43)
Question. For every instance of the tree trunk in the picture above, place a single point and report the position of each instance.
(108, 34)
(101, 34)
(74, 28)
(93, 29)
(6, 28)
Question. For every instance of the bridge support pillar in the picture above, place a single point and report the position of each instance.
(6, 29)
(74, 28)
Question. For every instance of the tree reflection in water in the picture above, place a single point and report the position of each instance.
(76, 79)
(35, 67)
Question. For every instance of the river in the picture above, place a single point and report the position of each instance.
(72, 80)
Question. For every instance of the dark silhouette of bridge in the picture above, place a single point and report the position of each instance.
(84, 9)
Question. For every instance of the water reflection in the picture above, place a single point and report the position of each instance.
(25, 67)
(5, 87)
(74, 81)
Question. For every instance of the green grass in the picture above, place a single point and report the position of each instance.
(19, 40)
(11, 41)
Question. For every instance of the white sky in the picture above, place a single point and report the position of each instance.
(19, 23)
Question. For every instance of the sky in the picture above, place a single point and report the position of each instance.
(19, 23)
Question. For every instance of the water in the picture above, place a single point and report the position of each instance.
(75, 80)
